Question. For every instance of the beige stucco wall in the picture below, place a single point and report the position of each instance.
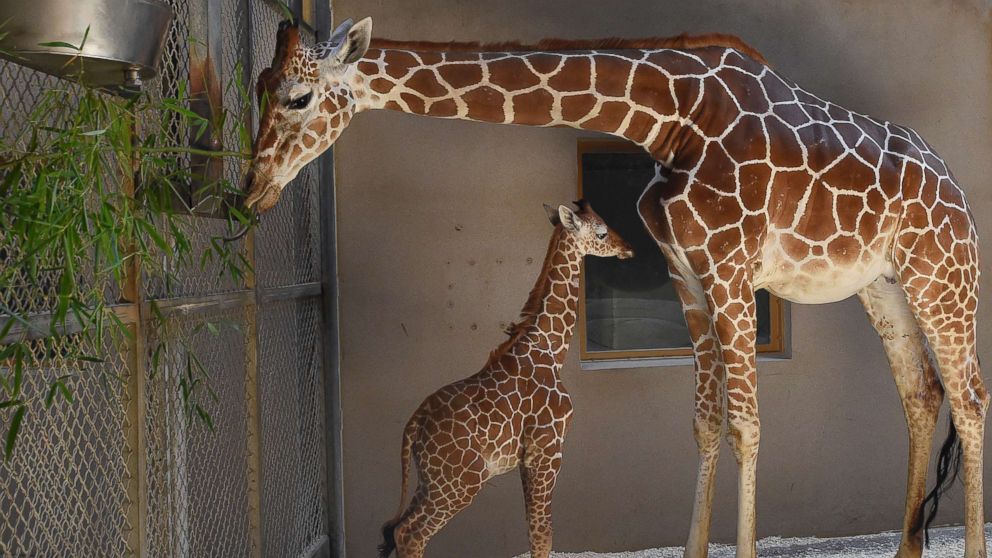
(439, 221)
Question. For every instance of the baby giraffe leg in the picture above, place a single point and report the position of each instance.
(539, 471)
(427, 514)
(444, 491)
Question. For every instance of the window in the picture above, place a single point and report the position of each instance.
(307, 12)
(629, 308)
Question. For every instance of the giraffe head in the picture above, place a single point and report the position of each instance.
(587, 228)
(306, 99)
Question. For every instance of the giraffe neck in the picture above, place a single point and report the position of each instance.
(622, 93)
(548, 317)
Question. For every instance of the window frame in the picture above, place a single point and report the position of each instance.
(776, 306)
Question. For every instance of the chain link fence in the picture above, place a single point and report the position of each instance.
(121, 470)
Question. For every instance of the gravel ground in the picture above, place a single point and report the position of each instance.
(945, 542)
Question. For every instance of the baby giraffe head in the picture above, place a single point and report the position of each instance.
(589, 231)
(307, 97)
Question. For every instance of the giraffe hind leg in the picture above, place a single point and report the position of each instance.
(916, 380)
(428, 514)
(939, 272)
(446, 487)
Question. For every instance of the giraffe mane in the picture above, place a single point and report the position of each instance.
(528, 314)
(681, 42)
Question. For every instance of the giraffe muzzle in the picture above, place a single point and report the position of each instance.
(262, 194)
(248, 183)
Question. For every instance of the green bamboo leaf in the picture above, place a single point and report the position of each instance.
(18, 371)
(120, 325)
(154, 234)
(66, 392)
(10, 403)
(12, 178)
(7, 351)
(156, 357)
(204, 416)
(59, 387)
(15, 428)
(241, 217)
(61, 44)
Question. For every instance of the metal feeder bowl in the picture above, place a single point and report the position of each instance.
(123, 45)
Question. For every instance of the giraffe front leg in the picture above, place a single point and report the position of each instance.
(732, 306)
(709, 398)
(539, 471)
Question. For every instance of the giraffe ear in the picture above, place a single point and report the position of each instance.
(340, 32)
(355, 43)
(569, 219)
(552, 214)
(347, 43)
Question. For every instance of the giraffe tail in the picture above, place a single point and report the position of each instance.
(406, 455)
(948, 468)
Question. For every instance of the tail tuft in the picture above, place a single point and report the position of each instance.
(388, 539)
(948, 468)
(406, 456)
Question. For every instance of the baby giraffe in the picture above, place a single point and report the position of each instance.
(514, 412)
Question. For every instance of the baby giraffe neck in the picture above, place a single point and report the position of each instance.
(550, 313)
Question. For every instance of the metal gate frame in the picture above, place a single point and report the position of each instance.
(269, 480)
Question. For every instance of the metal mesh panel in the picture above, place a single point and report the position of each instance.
(264, 26)
(291, 410)
(65, 489)
(197, 277)
(174, 68)
(288, 235)
(69, 489)
(208, 278)
(64, 492)
(21, 89)
(197, 479)
(237, 85)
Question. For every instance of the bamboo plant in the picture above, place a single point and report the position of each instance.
(92, 188)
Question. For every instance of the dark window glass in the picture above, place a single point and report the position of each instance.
(631, 305)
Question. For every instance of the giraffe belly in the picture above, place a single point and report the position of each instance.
(498, 464)
(817, 280)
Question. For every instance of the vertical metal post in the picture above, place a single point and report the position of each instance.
(206, 97)
(254, 427)
(251, 347)
(137, 491)
(329, 330)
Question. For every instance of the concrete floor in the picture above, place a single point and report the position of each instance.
(945, 542)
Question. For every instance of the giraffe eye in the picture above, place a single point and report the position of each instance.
(300, 102)
(601, 235)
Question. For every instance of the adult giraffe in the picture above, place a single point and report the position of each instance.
(759, 184)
